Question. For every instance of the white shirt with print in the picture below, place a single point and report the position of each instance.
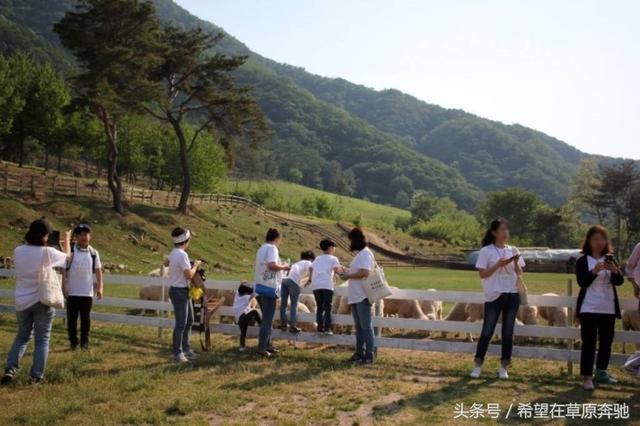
(599, 298)
(80, 274)
(267, 253)
(28, 262)
(363, 260)
(504, 280)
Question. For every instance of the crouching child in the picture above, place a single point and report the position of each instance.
(244, 313)
(78, 286)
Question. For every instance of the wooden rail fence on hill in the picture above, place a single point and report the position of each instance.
(568, 333)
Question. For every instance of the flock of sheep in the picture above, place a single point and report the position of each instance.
(414, 309)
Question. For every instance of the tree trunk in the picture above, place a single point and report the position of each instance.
(113, 180)
(183, 206)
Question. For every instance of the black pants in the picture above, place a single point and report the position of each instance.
(507, 305)
(250, 318)
(79, 305)
(600, 328)
(323, 311)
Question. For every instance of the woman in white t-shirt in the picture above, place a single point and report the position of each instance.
(597, 308)
(359, 269)
(33, 317)
(323, 272)
(499, 266)
(181, 274)
(268, 276)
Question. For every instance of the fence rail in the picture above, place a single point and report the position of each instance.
(397, 324)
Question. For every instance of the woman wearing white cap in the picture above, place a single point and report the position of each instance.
(180, 274)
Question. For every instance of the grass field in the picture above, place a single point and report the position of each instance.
(348, 208)
(126, 379)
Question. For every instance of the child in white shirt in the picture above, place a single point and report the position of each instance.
(244, 313)
(323, 271)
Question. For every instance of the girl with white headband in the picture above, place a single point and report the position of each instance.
(180, 274)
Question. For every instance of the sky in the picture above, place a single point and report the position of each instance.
(569, 68)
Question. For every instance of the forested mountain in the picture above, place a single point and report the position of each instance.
(380, 145)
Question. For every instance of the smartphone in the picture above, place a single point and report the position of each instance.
(609, 258)
(54, 239)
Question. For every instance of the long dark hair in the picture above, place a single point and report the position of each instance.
(272, 235)
(596, 229)
(358, 240)
(37, 231)
(489, 236)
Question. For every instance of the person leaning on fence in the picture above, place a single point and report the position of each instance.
(298, 276)
(268, 276)
(597, 308)
(323, 273)
(181, 273)
(33, 317)
(78, 286)
(361, 266)
(244, 313)
(499, 266)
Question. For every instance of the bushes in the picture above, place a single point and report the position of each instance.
(455, 227)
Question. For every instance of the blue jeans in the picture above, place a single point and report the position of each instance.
(183, 311)
(290, 291)
(36, 320)
(365, 343)
(507, 305)
(268, 308)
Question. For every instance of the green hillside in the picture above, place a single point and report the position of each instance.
(379, 145)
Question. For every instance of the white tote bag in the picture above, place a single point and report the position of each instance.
(376, 286)
(49, 284)
(523, 292)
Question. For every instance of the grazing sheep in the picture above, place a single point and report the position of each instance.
(157, 273)
(153, 292)
(555, 316)
(528, 314)
(432, 308)
(303, 325)
(457, 313)
(404, 309)
(310, 302)
(630, 322)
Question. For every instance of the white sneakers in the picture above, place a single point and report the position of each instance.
(180, 358)
(502, 373)
(191, 355)
(477, 371)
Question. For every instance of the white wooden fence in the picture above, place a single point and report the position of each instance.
(569, 333)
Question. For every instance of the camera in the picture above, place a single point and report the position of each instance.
(54, 239)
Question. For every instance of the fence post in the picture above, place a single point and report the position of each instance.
(151, 200)
(77, 187)
(160, 312)
(569, 324)
(6, 178)
(33, 185)
(53, 184)
(377, 313)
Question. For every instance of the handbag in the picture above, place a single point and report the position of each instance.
(376, 286)
(522, 291)
(49, 284)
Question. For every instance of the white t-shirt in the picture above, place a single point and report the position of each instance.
(363, 260)
(80, 274)
(267, 253)
(241, 305)
(28, 261)
(323, 272)
(504, 279)
(299, 270)
(599, 298)
(178, 263)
